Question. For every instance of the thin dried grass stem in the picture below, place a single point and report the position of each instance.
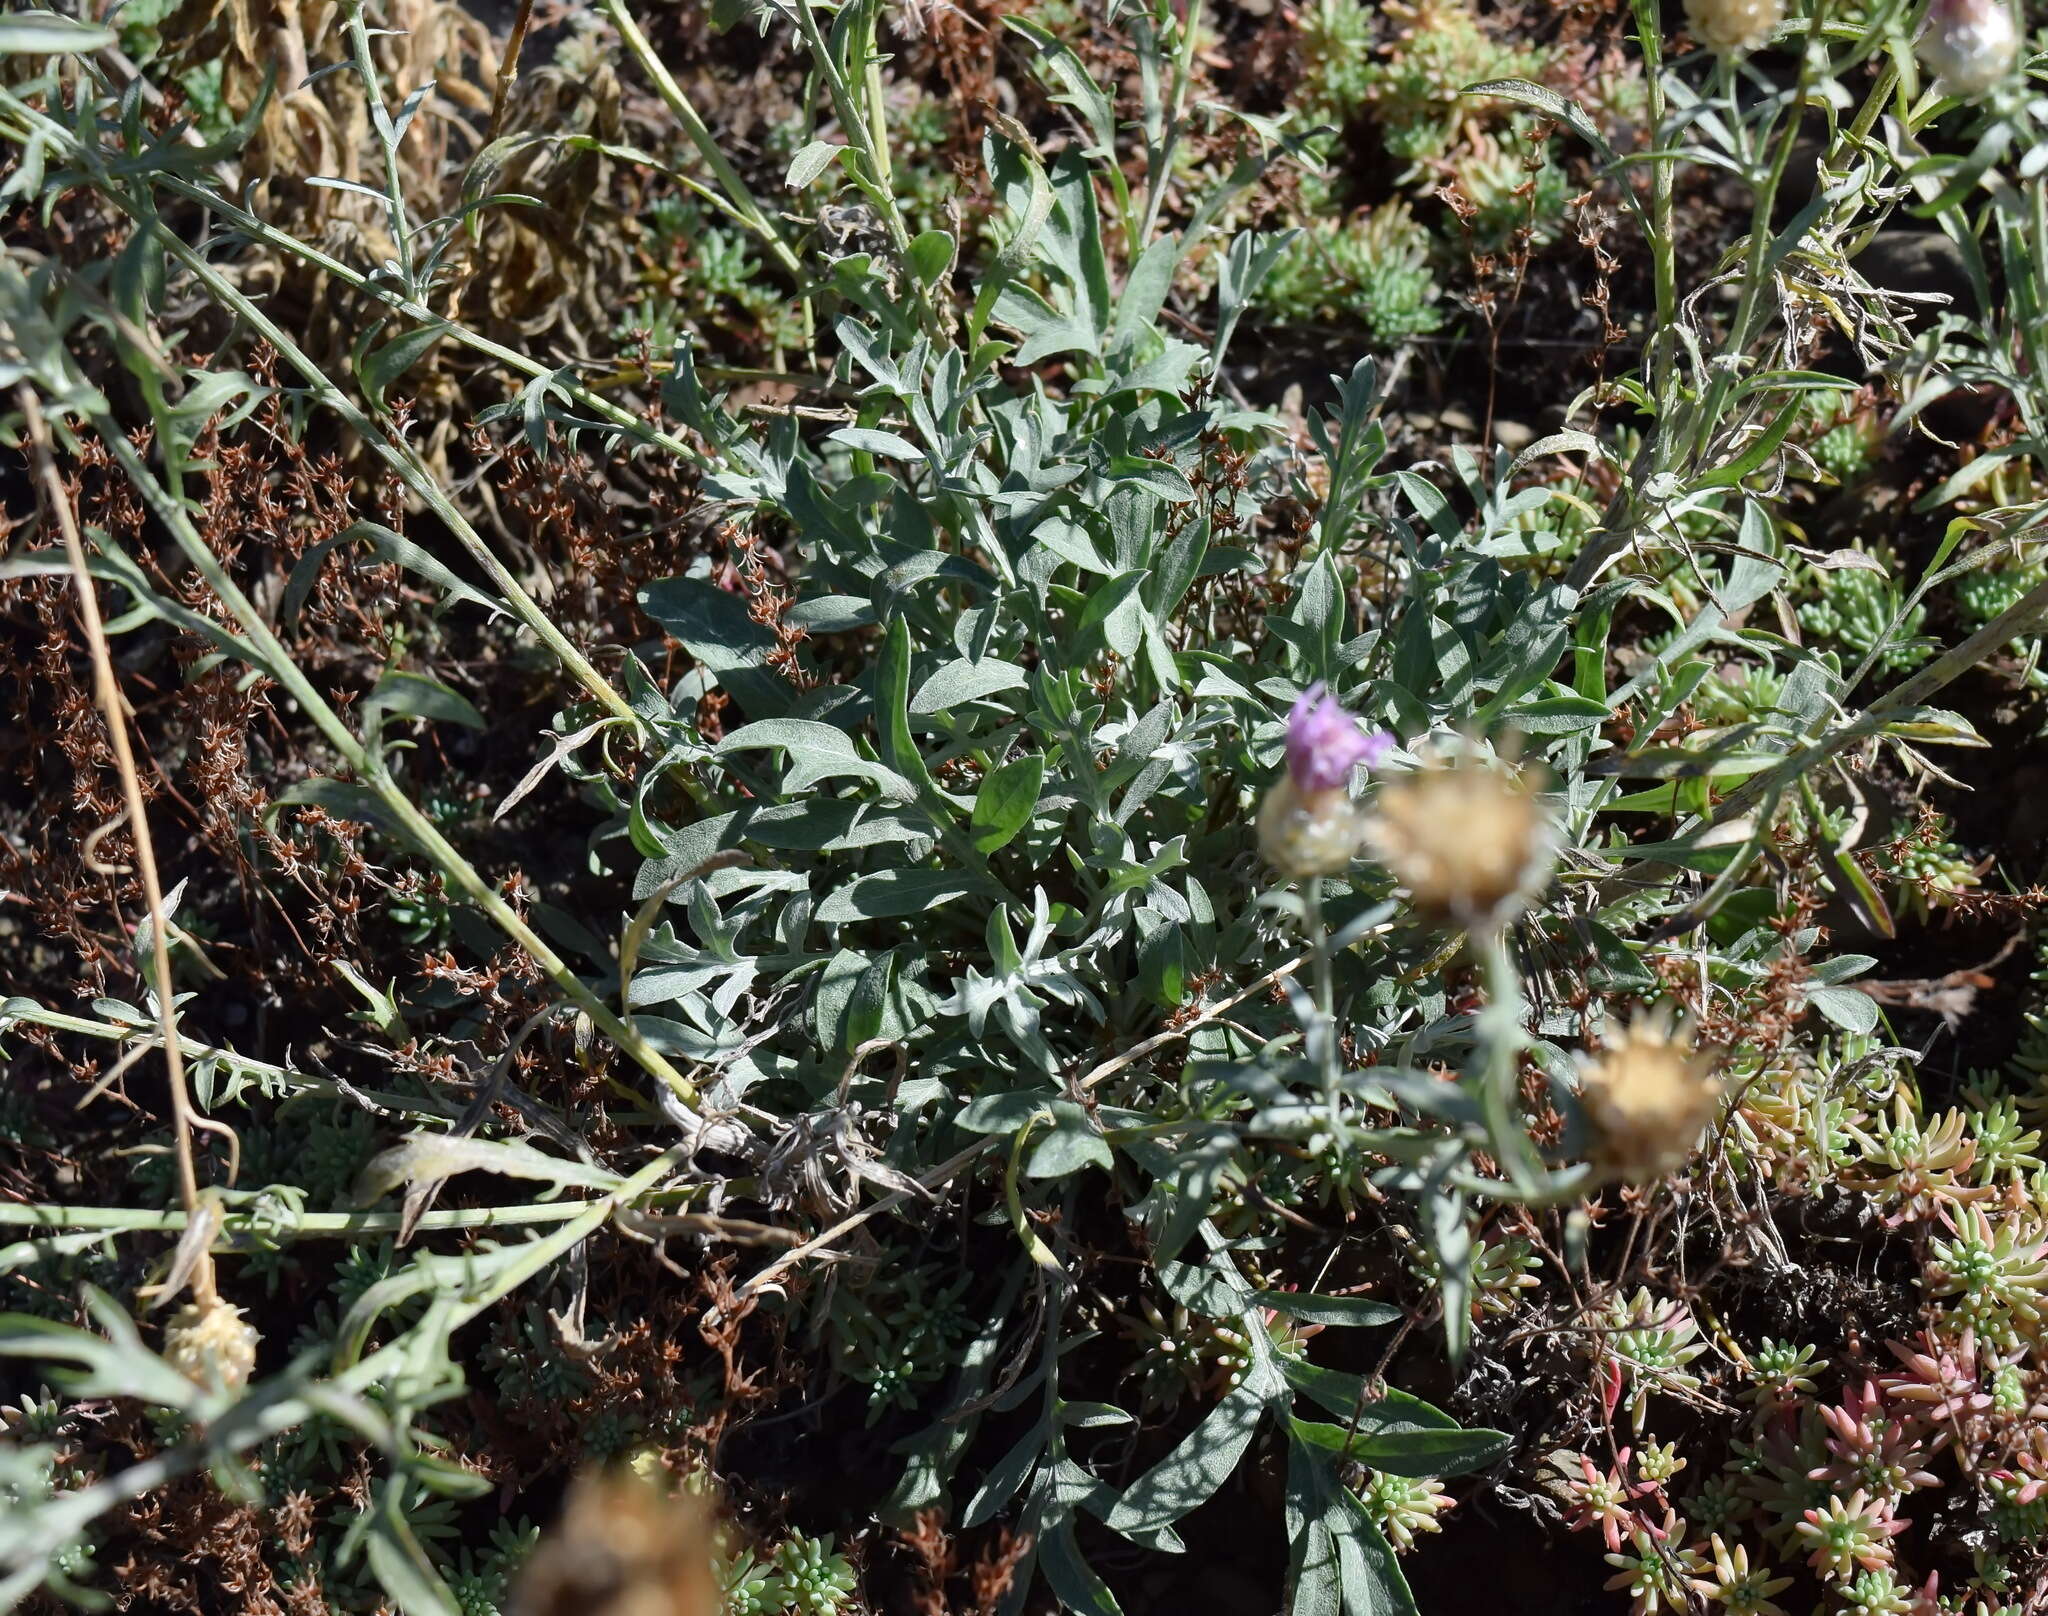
(508, 69)
(108, 691)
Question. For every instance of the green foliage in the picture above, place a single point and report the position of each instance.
(898, 1334)
(943, 871)
(1864, 610)
(1434, 50)
(1373, 270)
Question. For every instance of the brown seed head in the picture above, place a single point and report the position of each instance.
(1648, 1095)
(1468, 840)
(625, 1546)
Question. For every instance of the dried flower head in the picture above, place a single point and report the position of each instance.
(1970, 45)
(1308, 824)
(625, 1546)
(1468, 840)
(1304, 835)
(1648, 1095)
(1731, 27)
(211, 1344)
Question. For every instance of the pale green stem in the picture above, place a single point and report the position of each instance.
(377, 289)
(1756, 272)
(2034, 331)
(1013, 1199)
(1317, 935)
(1183, 76)
(870, 169)
(264, 1072)
(70, 1514)
(2024, 614)
(1663, 230)
(1880, 92)
(394, 181)
(126, 1220)
(878, 106)
(701, 137)
(1696, 431)
(1501, 1023)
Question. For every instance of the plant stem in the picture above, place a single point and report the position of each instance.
(266, 1074)
(1663, 231)
(1501, 1021)
(866, 130)
(508, 69)
(870, 169)
(1013, 1199)
(1183, 75)
(379, 290)
(132, 1220)
(2015, 620)
(701, 137)
(1756, 270)
(1317, 936)
(388, 138)
(108, 691)
(274, 1409)
(878, 106)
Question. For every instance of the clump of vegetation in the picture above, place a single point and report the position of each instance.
(1375, 269)
(713, 768)
(1396, 78)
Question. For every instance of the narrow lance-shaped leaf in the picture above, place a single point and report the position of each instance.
(1005, 802)
(1189, 1476)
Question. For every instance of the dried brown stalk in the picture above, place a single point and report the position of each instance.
(108, 691)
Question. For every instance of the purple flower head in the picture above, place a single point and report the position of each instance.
(1324, 742)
